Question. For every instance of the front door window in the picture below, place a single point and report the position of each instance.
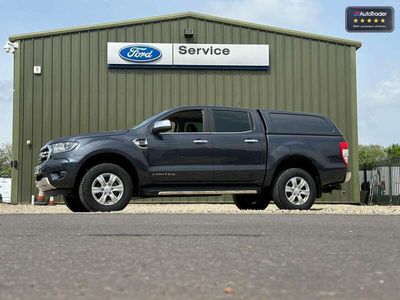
(187, 121)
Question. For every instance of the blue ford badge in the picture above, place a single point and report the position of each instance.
(140, 53)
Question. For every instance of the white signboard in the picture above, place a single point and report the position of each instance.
(5, 189)
(188, 55)
(221, 55)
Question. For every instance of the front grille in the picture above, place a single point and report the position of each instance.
(44, 154)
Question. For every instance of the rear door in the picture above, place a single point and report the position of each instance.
(239, 146)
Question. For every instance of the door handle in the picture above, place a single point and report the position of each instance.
(200, 141)
(251, 141)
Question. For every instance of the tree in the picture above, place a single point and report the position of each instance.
(370, 154)
(5, 159)
(393, 151)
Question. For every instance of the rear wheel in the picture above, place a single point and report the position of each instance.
(74, 204)
(105, 187)
(254, 202)
(294, 189)
(278, 204)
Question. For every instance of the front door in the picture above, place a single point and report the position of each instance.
(239, 147)
(184, 153)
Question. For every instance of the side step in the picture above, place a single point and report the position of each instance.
(179, 191)
(205, 193)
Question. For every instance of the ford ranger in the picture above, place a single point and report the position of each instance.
(255, 155)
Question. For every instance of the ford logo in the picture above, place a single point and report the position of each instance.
(140, 53)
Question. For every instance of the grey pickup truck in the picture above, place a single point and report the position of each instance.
(253, 154)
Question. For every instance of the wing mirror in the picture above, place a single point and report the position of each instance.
(161, 126)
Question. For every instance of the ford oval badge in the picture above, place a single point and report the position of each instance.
(140, 53)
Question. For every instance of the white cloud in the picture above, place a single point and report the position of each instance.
(284, 13)
(384, 94)
(379, 108)
(387, 92)
(5, 90)
(6, 111)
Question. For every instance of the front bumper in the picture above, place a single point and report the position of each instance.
(55, 176)
(44, 185)
(348, 177)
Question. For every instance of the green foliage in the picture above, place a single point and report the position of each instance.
(5, 159)
(370, 154)
(393, 151)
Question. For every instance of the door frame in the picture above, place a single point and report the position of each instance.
(257, 128)
(189, 135)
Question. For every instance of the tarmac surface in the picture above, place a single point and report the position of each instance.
(199, 256)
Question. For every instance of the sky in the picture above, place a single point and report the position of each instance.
(378, 60)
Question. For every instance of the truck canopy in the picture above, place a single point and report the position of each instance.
(283, 122)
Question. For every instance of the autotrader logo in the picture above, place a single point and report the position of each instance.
(370, 19)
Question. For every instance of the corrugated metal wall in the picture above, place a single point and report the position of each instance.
(77, 93)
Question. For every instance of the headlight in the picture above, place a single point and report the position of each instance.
(63, 147)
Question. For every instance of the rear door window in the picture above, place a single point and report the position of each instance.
(231, 121)
(293, 123)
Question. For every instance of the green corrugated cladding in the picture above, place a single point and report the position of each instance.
(77, 93)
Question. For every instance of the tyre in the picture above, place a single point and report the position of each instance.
(74, 204)
(294, 189)
(254, 202)
(105, 187)
(278, 204)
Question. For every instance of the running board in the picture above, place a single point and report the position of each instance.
(228, 192)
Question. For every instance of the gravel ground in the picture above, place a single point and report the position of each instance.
(317, 209)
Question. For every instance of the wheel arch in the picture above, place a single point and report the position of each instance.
(301, 162)
(109, 157)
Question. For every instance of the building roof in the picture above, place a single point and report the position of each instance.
(181, 15)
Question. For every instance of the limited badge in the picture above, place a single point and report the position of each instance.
(369, 19)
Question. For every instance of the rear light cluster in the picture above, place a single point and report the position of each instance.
(344, 152)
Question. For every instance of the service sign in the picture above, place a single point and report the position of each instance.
(224, 55)
(193, 56)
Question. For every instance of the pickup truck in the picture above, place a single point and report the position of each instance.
(253, 154)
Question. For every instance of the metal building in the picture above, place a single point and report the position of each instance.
(72, 89)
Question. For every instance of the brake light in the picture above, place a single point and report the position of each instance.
(344, 152)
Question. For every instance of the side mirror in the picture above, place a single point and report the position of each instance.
(161, 126)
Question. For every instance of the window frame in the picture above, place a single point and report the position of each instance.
(249, 114)
(204, 111)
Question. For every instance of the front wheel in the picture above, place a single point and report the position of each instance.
(74, 204)
(105, 187)
(294, 189)
(253, 202)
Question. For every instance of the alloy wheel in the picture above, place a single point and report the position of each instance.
(297, 190)
(107, 189)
